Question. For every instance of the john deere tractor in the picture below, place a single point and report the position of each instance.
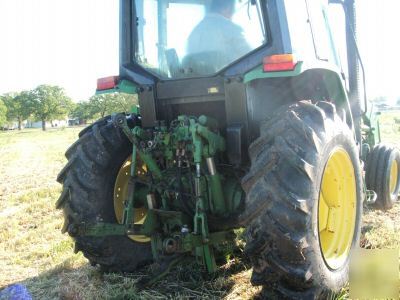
(250, 116)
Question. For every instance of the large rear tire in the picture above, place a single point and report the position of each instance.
(304, 202)
(94, 162)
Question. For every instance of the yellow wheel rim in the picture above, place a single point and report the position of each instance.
(394, 176)
(121, 194)
(337, 207)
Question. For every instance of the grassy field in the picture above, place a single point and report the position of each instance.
(34, 252)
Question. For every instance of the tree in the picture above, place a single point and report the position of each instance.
(3, 113)
(82, 111)
(19, 106)
(125, 102)
(99, 105)
(50, 103)
(106, 104)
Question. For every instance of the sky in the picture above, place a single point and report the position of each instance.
(71, 43)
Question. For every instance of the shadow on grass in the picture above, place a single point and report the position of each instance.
(185, 281)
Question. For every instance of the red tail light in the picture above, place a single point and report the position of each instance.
(107, 83)
(279, 62)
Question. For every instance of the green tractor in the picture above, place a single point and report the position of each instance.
(249, 117)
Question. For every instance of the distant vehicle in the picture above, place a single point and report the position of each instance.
(9, 127)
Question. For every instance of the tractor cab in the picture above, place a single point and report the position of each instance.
(220, 58)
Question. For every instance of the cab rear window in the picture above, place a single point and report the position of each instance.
(181, 39)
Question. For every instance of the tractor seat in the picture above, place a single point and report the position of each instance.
(203, 63)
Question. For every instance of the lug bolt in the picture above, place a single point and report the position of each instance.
(185, 230)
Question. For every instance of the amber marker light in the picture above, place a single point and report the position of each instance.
(279, 63)
(107, 83)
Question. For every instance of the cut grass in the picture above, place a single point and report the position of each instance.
(390, 127)
(34, 252)
(29, 225)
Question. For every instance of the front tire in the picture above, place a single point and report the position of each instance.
(382, 175)
(304, 202)
(89, 180)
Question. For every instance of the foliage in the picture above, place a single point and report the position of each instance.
(3, 113)
(99, 106)
(50, 103)
(19, 106)
(82, 111)
(47, 103)
(106, 104)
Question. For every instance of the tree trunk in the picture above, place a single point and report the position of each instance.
(44, 125)
(19, 124)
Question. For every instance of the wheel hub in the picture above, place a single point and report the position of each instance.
(121, 194)
(393, 177)
(337, 208)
